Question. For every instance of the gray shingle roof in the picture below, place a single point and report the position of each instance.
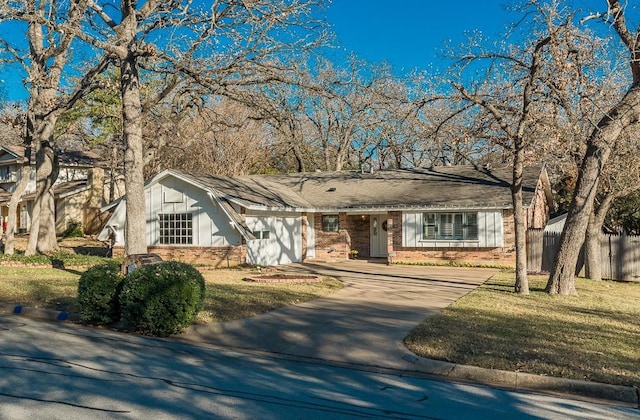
(250, 191)
(71, 158)
(439, 187)
(63, 189)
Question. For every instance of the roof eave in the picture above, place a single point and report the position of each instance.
(372, 209)
(73, 192)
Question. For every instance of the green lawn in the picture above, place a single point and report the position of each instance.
(40, 287)
(227, 295)
(593, 336)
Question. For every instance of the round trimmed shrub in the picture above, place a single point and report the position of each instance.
(161, 299)
(98, 294)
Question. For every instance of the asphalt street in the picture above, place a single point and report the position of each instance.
(66, 371)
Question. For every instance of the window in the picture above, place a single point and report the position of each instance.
(176, 228)
(261, 234)
(450, 226)
(330, 223)
(5, 173)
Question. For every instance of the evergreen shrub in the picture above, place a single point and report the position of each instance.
(98, 294)
(161, 299)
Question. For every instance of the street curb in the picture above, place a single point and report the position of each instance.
(527, 381)
(37, 313)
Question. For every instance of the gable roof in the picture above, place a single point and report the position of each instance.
(10, 154)
(446, 187)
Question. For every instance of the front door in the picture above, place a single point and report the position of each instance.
(378, 234)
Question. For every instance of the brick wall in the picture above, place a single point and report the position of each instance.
(509, 229)
(213, 256)
(504, 255)
(332, 245)
(358, 228)
(394, 231)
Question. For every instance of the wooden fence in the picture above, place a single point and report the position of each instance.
(620, 254)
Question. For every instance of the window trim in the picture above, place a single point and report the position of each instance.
(462, 225)
(261, 234)
(325, 225)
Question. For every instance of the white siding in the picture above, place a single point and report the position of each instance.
(211, 227)
(490, 232)
(490, 229)
(311, 236)
(284, 244)
(411, 229)
(115, 226)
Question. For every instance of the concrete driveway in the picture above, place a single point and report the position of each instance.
(364, 323)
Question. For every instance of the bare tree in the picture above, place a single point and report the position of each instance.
(44, 58)
(12, 119)
(229, 43)
(220, 138)
(357, 119)
(617, 180)
(517, 101)
(450, 131)
(620, 117)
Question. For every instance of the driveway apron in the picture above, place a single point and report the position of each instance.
(363, 323)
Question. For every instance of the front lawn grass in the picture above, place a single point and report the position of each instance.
(40, 287)
(594, 336)
(227, 295)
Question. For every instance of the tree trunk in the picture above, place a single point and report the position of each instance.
(593, 245)
(112, 171)
(16, 196)
(593, 239)
(42, 235)
(520, 226)
(625, 113)
(343, 146)
(136, 223)
(34, 224)
(47, 240)
(295, 148)
(562, 277)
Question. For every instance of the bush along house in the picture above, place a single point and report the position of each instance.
(449, 213)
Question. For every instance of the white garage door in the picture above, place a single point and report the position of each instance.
(278, 239)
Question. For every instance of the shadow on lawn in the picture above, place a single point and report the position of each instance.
(583, 345)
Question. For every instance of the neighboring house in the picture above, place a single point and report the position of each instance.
(444, 213)
(79, 190)
(556, 225)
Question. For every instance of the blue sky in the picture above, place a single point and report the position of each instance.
(406, 34)
(412, 33)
